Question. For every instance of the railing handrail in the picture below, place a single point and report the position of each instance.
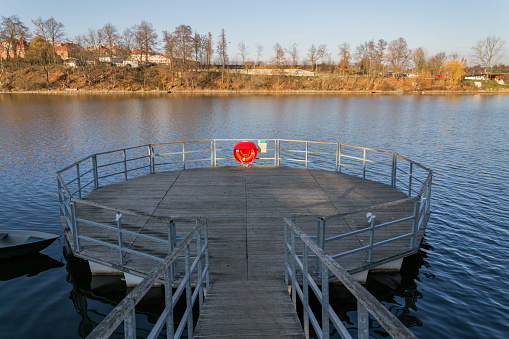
(213, 141)
(109, 324)
(365, 209)
(135, 213)
(388, 321)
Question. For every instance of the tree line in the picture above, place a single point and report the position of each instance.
(186, 52)
(190, 48)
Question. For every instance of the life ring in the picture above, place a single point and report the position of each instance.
(245, 152)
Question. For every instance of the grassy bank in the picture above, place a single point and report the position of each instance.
(107, 78)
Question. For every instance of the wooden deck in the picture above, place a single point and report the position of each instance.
(245, 207)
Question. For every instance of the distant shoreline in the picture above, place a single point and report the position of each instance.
(251, 92)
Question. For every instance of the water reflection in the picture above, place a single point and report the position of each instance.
(94, 297)
(398, 292)
(26, 265)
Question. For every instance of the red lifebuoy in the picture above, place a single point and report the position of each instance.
(245, 152)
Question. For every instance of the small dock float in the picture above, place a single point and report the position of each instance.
(129, 210)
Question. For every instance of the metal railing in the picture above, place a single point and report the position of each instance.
(196, 274)
(395, 223)
(297, 264)
(108, 167)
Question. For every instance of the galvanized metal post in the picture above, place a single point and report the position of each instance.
(78, 177)
(172, 243)
(213, 153)
(60, 199)
(277, 153)
(428, 194)
(318, 236)
(200, 266)
(338, 158)
(168, 298)
(415, 224)
(325, 302)
(363, 321)
(206, 228)
(305, 289)
(410, 177)
(285, 253)
(118, 218)
(189, 295)
(371, 220)
(364, 163)
(393, 172)
(95, 171)
(184, 154)
(152, 158)
(293, 268)
(130, 325)
(307, 156)
(320, 241)
(74, 229)
(125, 163)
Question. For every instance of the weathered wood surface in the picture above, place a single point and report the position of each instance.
(248, 309)
(245, 208)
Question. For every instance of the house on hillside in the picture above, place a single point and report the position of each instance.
(17, 48)
(66, 50)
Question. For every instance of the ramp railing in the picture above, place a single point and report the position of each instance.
(299, 250)
(193, 286)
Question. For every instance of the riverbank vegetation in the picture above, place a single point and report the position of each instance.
(184, 60)
(106, 77)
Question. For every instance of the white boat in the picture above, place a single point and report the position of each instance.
(19, 242)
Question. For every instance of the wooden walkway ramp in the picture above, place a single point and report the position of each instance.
(245, 207)
(248, 309)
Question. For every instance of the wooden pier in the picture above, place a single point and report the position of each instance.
(245, 207)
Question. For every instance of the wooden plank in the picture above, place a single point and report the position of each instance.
(248, 309)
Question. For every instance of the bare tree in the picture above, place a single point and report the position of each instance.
(293, 51)
(91, 38)
(398, 54)
(209, 50)
(365, 56)
(380, 56)
(126, 43)
(420, 59)
(279, 58)
(198, 44)
(145, 37)
(243, 52)
(488, 51)
(322, 53)
(108, 35)
(344, 57)
(222, 50)
(312, 56)
(259, 51)
(183, 45)
(49, 30)
(436, 61)
(316, 54)
(169, 48)
(14, 33)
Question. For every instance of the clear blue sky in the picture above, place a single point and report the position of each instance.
(445, 25)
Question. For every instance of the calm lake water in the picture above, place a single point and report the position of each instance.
(458, 287)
